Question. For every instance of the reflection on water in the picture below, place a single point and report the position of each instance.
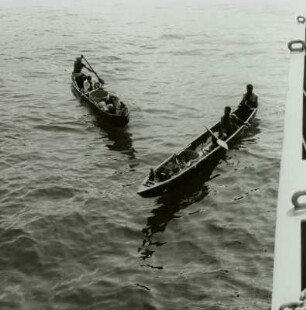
(121, 137)
(250, 136)
(88, 256)
(172, 202)
(187, 193)
(122, 141)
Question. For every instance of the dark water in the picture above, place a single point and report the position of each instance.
(73, 232)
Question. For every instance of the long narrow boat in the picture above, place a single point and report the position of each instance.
(289, 276)
(199, 153)
(98, 100)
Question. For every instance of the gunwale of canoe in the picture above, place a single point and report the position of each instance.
(160, 187)
(109, 118)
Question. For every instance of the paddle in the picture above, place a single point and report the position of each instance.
(100, 80)
(219, 141)
(83, 94)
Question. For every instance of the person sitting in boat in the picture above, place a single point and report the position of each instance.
(102, 105)
(78, 66)
(80, 78)
(110, 108)
(152, 175)
(88, 85)
(113, 104)
(228, 123)
(96, 84)
(117, 105)
(210, 146)
(249, 100)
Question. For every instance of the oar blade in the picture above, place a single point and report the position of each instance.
(219, 141)
(222, 144)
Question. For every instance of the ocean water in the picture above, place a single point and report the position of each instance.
(73, 232)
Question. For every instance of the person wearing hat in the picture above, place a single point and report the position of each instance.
(78, 66)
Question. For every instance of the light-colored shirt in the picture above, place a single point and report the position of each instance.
(86, 86)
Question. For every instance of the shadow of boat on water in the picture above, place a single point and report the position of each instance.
(185, 194)
(250, 136)
(120, 137)
(169, 204)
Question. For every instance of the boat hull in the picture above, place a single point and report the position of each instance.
(205, 167)
(204, 163)
(104, 117)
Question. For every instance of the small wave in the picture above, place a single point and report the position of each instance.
(173, 36)
(148, 47)
(52, 192)
(23, 58)
(112, 58)
(15, 289)
(19, 251)
(195, 52)
(57, 128)
(152, 93)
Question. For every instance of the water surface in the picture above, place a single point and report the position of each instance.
(73, 232)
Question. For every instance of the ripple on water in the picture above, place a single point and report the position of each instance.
(19, 251)
(73, 232)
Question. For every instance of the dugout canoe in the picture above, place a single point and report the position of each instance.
(96, 99)
(200, 153)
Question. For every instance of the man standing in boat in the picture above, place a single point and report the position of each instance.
(78, 66)
(80, 78)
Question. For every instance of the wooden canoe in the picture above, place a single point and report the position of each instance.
(95, 98)
(201, 152)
